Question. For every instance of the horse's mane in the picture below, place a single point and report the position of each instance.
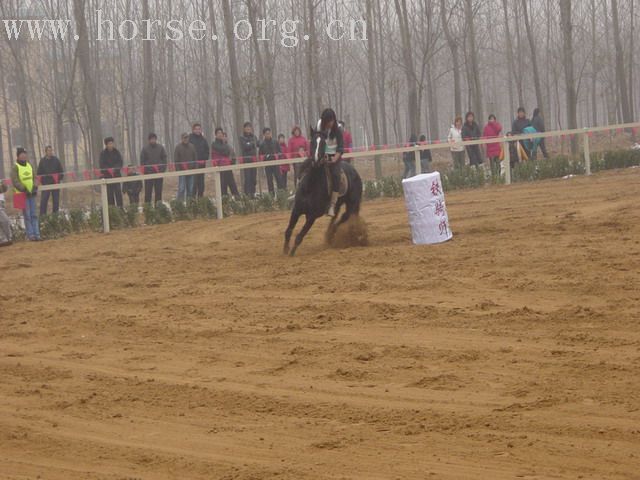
(311, 177)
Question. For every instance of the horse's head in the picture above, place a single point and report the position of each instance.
(317, 147)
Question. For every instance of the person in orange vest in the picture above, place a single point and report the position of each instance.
(24, 182)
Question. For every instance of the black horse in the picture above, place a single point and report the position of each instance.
(313, 195)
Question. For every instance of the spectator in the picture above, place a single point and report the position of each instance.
(6, 237)
(347, 137)
(284, 169)
(185, 156)
(531, 146)
(249, 146)
(521, 122)
(154, 159)
(133, 189)
(471, 131)
(24, 184)
(222, 156)
(455, 140)
(409, 159)
(202, 150)
(425, 156)
(298, 147)
(493, 129)
(271, 150)
(110, 165)
(537, 122)
(50, 172)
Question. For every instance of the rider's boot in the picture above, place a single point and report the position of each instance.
(332, 207)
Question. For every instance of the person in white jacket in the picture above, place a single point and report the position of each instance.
(455, 140)
(5, 223)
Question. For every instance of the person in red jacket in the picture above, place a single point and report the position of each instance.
(284, 169)
(493, 129)
(298, 147)
(346, 136)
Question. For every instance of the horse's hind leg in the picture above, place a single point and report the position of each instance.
(287, 235)
(307, 226)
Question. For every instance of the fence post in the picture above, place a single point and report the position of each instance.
(418, 164)
(105, 207)
(507, 163)
(218, 184)
(587, 154)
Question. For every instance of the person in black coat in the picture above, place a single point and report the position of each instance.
(133, 189)
(538, 123)
(270, 149)
(154, 159)
(409, 159)
(425, 157)
(202, 149)
(249, 146)
(471, 131)
(50, 172)
(521, 122)
(110, 167)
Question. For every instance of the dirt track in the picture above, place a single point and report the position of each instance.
(196, 351)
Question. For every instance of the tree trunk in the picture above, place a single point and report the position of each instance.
(572, 102)
(620, 71)
(149, 94)
(409, 67)
(594, 71)
(534, 55)
(373, 89)
(453, 47)
(84, 56)
(236, 95)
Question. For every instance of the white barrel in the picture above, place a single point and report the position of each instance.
(427, 209)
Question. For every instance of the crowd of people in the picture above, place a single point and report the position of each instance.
(193, 153)
(468, 129)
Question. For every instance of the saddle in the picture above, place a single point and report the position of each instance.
(344, 181)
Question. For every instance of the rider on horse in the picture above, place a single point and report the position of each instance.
(328, 125)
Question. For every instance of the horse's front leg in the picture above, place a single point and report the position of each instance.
(307, 226)
(295, 215)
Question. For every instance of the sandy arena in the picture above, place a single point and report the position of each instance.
(197, 351)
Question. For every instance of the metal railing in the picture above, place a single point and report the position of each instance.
(368, 153)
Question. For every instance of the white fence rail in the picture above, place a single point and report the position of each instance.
(216, 171)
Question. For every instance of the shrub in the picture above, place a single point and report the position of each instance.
(131, 215)
(467, 177)
(372, 190)
(77, 220)
(18, 233)
(162, 214)
(149, 214)
(206, 208)
(179, 210)
(391, 187)
(95, 220)
(282, 200)
(192, 208)
(621, 159)
(524, 172)
(55, 225)
(117, 218)
(265, 202)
